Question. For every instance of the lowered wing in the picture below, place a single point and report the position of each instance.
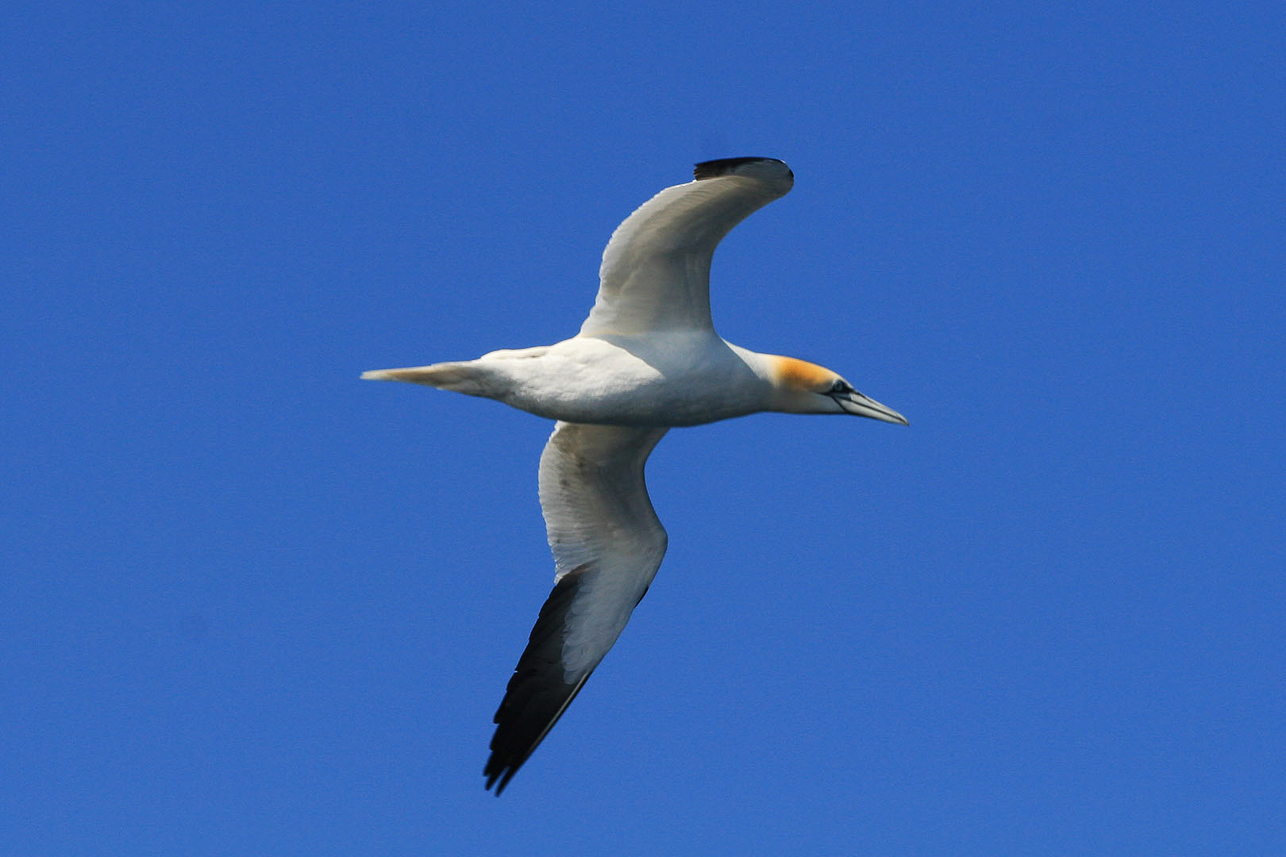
(607, 544)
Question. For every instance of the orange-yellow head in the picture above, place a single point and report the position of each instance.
(801, 387)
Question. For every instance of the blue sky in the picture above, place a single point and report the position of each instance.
(252, 605)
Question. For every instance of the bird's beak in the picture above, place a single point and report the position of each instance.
(864, 406)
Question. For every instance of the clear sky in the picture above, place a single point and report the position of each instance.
(250, 604)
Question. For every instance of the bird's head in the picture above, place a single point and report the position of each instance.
(801, 387)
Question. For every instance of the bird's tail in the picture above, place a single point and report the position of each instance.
(471, 377)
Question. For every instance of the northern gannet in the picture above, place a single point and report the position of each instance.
(646, 360)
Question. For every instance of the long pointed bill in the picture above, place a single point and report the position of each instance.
(864, 406)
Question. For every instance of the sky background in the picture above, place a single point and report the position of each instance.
(250, 604)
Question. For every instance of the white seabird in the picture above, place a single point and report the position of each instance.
(647, 359)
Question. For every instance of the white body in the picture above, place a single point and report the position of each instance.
(675, 378)
(646, 359)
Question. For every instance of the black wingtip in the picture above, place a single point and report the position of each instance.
(538, 692)
(504, 779)
(723, 166)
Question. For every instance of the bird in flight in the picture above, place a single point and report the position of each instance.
(646, 360)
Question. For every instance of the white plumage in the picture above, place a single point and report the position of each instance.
(646, 359)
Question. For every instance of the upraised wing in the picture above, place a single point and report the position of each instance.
(607, 544)
(656, 268)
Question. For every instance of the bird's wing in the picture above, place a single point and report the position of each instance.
(656, 268)
(607, 544)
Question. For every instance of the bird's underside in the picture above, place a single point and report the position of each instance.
(647, 358)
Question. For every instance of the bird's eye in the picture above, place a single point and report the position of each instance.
(840, 386)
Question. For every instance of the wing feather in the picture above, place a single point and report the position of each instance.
(656, 267)
(607, 543)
